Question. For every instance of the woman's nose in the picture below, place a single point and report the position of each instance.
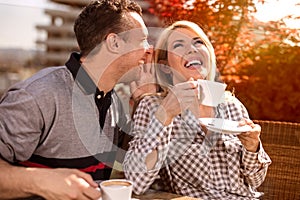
(192, 49)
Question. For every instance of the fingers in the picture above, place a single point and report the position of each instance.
(256, 128)
(186, 85)
(147, 68)
(89, 189)
(146, 72)
(68, 184)
(133, 86)
(246, 121)
(88, 178)
(186, 90)
(185, 94)
(254, 133)
(91, 193)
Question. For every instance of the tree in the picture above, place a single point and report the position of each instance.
(221, 20)
(266, 75)
(253, 57)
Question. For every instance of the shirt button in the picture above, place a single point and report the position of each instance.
(98, 96)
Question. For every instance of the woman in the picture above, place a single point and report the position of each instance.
(169, 143)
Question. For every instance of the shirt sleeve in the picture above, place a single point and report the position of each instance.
(255, 166)
(149, 134)
(20, 125)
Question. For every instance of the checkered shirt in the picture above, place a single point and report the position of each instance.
(190, 162)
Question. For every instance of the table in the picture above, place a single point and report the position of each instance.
(160, 195)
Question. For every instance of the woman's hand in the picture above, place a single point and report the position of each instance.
(250, 139)
(181, 96)
(146, 83)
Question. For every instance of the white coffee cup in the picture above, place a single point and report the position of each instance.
(211, 93)
(116, 189)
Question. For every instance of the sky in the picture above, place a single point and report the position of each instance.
(19, 18)
(276, 9)
(18, 21)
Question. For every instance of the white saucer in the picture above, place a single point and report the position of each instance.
(224, 126)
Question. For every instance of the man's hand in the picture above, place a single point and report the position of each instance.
(250, 139)
(61, 184)
(54, 184)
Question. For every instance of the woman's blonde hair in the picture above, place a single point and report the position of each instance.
(161, 54)
(160, 60)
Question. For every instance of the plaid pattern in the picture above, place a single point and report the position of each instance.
(190, 163)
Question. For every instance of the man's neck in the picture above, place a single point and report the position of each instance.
(101, 74)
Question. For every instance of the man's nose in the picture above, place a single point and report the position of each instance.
(146, 45)
(148, 54)
(149, 49)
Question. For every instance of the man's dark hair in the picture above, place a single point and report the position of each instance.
(99, 18)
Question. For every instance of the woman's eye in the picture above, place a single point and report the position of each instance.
(177, 45)
(198, 42)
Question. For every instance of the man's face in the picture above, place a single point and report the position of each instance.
(135, 51)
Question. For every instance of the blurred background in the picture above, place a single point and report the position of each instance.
(257, 43)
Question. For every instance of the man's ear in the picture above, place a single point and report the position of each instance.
(113, 42)
(165, 67)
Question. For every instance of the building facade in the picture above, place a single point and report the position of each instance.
(60, 40)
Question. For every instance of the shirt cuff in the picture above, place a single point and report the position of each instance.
(255, 160)
(190, 119)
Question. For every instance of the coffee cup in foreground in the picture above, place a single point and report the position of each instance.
(116, 189)
(211, 93)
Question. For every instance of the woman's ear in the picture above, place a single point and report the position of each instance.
(164, 66)
(113, 42)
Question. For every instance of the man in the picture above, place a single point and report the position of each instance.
(68, 118)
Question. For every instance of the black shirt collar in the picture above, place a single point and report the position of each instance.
(81, 76)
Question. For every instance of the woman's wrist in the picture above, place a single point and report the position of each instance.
(163, 116)
(252, 148)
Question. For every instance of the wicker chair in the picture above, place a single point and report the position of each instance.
(281, 140)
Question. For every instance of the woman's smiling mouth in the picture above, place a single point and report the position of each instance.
(193, 64)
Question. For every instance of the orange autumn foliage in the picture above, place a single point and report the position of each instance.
(260, 61)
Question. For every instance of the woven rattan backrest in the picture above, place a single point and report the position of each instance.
(281, 140)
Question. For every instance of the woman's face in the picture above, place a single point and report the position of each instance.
(188, 56)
